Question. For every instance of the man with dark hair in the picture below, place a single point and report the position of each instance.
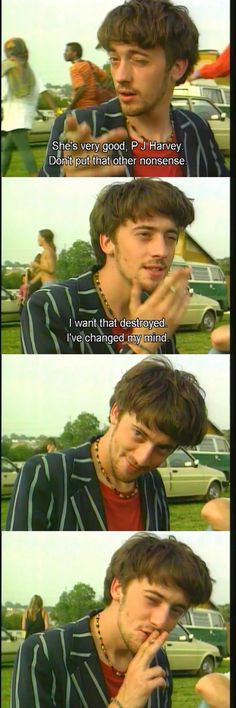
(114, 656)
(152, 47)
(111, 482)
(84, 75)
(128, 303)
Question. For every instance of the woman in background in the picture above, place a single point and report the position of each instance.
(35, 618)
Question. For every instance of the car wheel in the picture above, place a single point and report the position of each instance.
(207, 666)
(208, 321)
(213, 491)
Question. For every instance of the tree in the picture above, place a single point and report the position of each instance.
(80, 430)
(74, 604)
(75, 260)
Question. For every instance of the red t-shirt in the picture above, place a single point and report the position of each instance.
(146, 164)
(121, 514)
(113, 682)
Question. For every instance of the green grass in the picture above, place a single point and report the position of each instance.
(11, 343)
(17, 168)
(6, 686)
(4, 508)
(187, 342)
(184, 695)
(197, 342)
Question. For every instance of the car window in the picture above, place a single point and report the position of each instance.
(5, 295)
(7, 466)
(217, 620)
(178, 459)
(216, 273)
(203, 109)
(200, 273)
(214, 94)
(207, 445)
(201, 619)
(177, 632)
(4, 634)
(222, 445)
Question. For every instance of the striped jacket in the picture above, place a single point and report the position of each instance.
(199, 148)
(63, 318)
(60, 669)
(60, 492)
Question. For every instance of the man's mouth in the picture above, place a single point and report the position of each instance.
(155, 269)
(126, 95)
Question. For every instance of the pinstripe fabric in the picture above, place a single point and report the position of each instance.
(57, 314)
(199, 148)
(60, 492)
(60, 669)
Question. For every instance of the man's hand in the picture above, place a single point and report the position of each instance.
(215, 689)
(217, 513)
(85, 162)
(168, 301)
(140, 679)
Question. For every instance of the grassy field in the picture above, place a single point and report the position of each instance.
(17, 168)
(183, 688)
(187, 342)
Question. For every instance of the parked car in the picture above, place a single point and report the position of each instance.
(214, 450)
(41, 129)
(183, 476)
(207, 625)
(219, 94)
(218, 121)
(10, 307)
(205, 279)
(9, 472)
(188, 654)
(9, 647)
(202, 313)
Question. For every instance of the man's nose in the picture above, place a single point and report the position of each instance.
(147, 456)
(122, 72)
(159, 246)
(160, 616)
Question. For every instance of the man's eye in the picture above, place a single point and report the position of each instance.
(171, 237)
(138, 433)
(113, 60)
(139, 60)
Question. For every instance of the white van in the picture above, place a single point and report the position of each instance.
(207, 88)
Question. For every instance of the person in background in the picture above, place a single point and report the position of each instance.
(35, 618)
(84, 75)
(215, 69)
(44, 265)
(51, 445)
(22, 292)
(23, 91)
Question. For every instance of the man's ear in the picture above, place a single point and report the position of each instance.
(107, 246)
(178, 69)
(114, 413)
(116, 590)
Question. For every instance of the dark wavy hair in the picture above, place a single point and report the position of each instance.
(166, 561)
(150, 24)
(136, 199)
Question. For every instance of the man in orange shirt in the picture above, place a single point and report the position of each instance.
(215, 69)
(84, 75)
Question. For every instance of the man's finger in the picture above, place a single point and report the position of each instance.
(135, 297)
(152, 645)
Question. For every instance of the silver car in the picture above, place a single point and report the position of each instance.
(9, 647)
(203, 107)
(183, 476)
(202, 313)
(186, 654)
(10, 307)
(9, 472)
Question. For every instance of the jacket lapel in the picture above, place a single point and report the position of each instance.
(87, 676)
(86, 497)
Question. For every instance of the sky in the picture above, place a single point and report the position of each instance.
(46, 27)
(62, 388)
(64, 207)
(54, 562)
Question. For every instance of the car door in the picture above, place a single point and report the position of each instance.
(220, 127)
(183, 653)
(186, 478)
